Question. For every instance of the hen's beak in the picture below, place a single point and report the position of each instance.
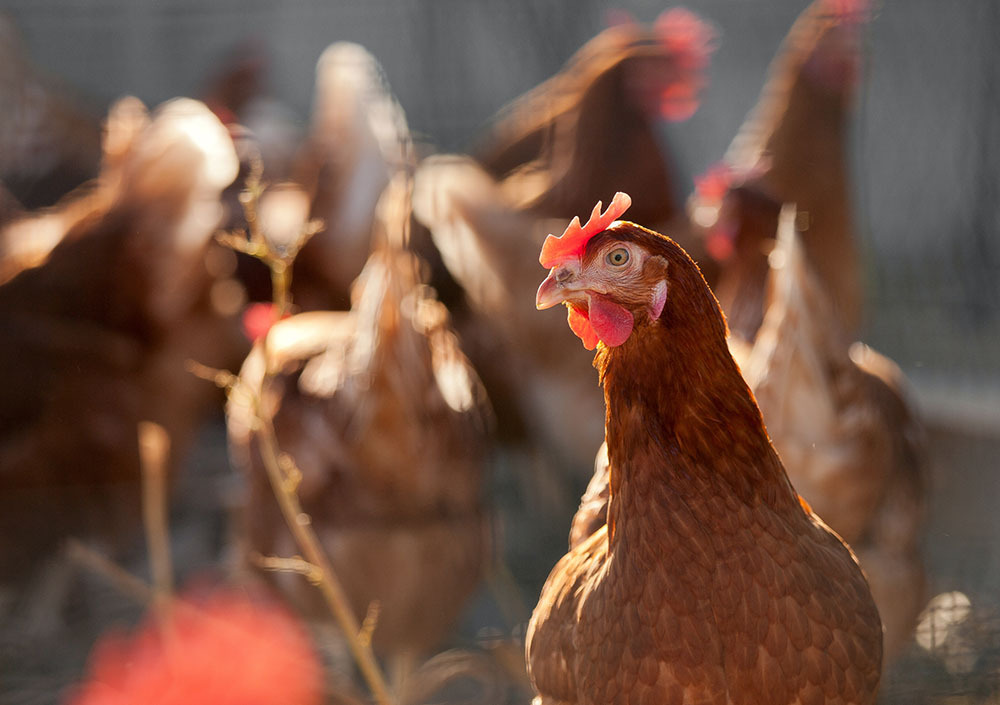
(556, 288)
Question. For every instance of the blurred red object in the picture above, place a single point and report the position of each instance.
(258, 319)
(222, 648)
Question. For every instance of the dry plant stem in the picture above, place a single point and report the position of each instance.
(287, 565)
(124, 581)
(281, 471)
(154, 446)
(333, 592)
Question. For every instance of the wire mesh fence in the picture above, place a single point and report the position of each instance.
(926, 166)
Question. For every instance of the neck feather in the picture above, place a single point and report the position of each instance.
(680, 415)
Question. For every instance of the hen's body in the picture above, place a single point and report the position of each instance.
(793, 148)
(386, 421)
(710, 583)
(839, 417)
(95, 337)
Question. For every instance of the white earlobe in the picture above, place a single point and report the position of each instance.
(658, 299)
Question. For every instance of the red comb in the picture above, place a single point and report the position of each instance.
(690, 41)
(847, 10)
(574, 239)
(714, 183)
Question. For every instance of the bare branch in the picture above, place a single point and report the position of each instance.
(154, 447)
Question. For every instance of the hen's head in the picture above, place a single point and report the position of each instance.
(665, 70)
(616, 277)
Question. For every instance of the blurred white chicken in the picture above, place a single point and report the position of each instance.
(356, 143)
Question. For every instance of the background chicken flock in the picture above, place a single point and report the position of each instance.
(365, 300)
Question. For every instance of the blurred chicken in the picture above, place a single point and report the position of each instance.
(94, 338)
(840, 419)
(598, 132)
(49, 144)
(710, 581)
(597, 121)
(10, 209)
(28, 237)
(238, 93)
(355, 145)
(387, 422)
(791, 149)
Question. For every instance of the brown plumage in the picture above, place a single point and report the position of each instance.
(792, 148)
(94, 335)
(839, 416)
(387, 422)
(595, 122)
(710, 582)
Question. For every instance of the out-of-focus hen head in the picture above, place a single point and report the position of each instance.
(834, 61)
(615, 277)
(171, 178)
(668, 83)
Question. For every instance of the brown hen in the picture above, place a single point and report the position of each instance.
(387, 422)
(792, 148)
(596, 122)
(710, 582)
(94, 336)
(839, 416)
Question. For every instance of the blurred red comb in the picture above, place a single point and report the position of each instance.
(574, 239)
(690, 41)
(713, 184)
(258, 319)
(846, 10)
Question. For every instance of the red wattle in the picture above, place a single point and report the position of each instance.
(611, 322)
(579, 323)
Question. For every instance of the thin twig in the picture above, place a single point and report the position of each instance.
(224, 379)
(329, 586)
(370, 621)
(295, 564)
(280, 467)
(125, 582)
(154, 446)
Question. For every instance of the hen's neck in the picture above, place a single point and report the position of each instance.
(682, 423)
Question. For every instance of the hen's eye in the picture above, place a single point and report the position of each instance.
(618, 257)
